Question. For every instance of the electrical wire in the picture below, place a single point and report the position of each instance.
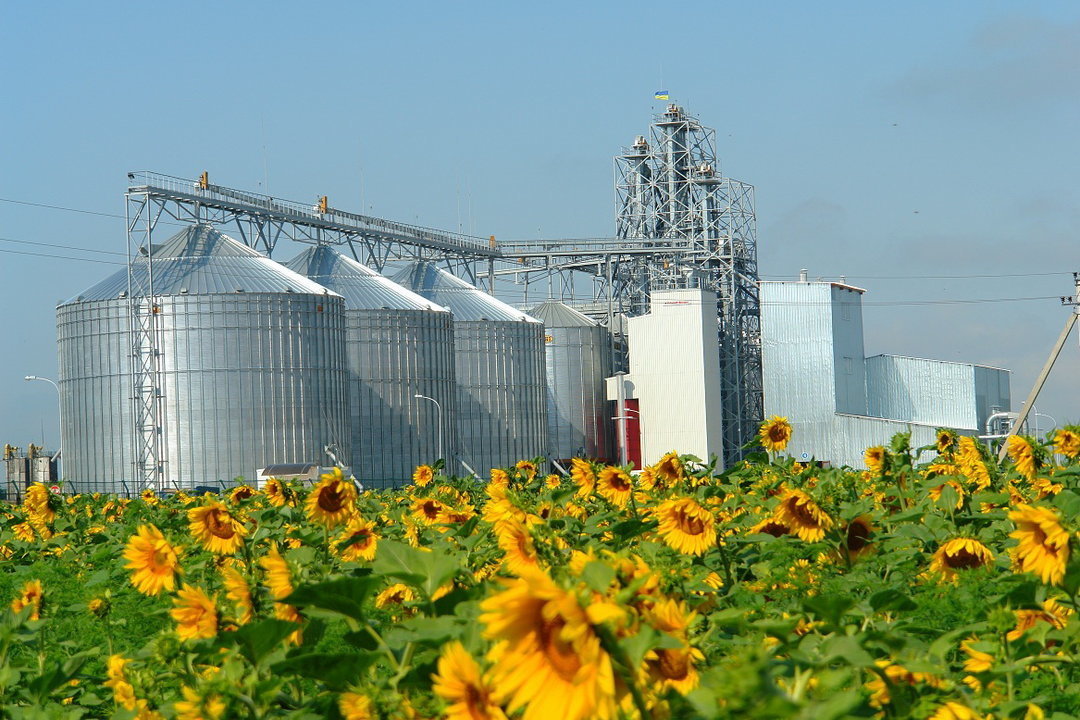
(932, 277)
(60, 207)
(60, 257)
(64, 247)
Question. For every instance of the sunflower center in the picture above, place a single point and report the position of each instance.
(559, 653)
(430, 509)
(331, 499)
(777, 433)
(963, 559)
(689, 524)
(619, 483)
(219, 526)
(244, 493)
(803, 514)
(476, 701)
(858, 536)
(673, 664)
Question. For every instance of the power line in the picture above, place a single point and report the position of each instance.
(60, 257)
(65, 247)
(60, 207)
(933, 277)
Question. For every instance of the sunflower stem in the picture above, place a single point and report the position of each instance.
(622, 666)
(382, 644)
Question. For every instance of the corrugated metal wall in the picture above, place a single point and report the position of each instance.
(925, 391)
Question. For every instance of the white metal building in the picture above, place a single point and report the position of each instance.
(840, 402)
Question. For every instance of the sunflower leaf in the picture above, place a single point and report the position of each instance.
(257, 640)
(335, 670)
(344, 596)
(426, 571)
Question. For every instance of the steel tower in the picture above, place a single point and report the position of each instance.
(669, 193)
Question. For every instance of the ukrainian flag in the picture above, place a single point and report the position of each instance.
(661, 95)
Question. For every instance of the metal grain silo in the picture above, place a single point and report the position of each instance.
(499, 358)
(578, 355)
(398, 345)
(252, 367)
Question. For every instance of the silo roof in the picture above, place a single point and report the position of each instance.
(200, 260)
(362, 287)
(560, 315)
(465, 301)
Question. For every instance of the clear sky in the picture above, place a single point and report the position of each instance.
(885, 141)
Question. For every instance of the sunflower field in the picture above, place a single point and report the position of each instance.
(938, 584)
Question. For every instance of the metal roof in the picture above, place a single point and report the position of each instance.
(200, 260)
(465, 301)
(362, 287)
(560, 315)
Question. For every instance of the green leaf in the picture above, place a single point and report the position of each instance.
(637, 645)
(431, 630)
(891, 599)
(335, 670)
(598, 576)
(257, 640)
(830, 608)
(344, 596)
(425, 570)
(846, 648)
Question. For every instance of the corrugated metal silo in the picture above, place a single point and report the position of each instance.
(499, 358)
(252, 367)
(398, 345)
(578, 354)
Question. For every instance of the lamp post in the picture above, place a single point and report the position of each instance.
(60, 416)
(425, 397)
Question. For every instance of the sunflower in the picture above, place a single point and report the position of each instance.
(241, 493)
(805, 518)
(197, 707)
(460, 684)
(278, 577)
(423, 475)
(857, 537)
(970, 460)
(153, 559)
(500, 480)
(946, 440)
(583, 475)
(770, 526)
(669, 471)
(39, 504)
(277, 494)
(123, 692)
(897, 675)
(354, 706)
(686, 526)
(615, 485)
(1053, 613)
(29, 597)
(216, 528)
(149, 497)
(775, 433)
(1067, 442)
(332, 501)
(935, 492)
(1023, 455)
(547, 658)
(672, 668)
(954, 711)
(427, 510)
(284, 611)
(552, 481)
(977, 661)
(24, 531)
(874, 457)
(238, 590)
(194, 613)
(396, 594)
(516, 541)
(358, 541)
(1044, 544)
(526, 468)
(960, 554)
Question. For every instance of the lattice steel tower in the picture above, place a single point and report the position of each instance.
(670, 195)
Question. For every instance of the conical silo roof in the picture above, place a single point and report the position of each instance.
(560, 315)
(200, 260)
(362, 287)
(465, 301)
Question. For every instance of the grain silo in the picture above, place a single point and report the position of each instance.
(499, 358)
(399, 346)
(578, 354)
(251, 367)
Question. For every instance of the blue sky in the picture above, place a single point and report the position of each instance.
(884, 141)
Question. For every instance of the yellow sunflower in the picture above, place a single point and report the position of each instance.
(552, 481)
(153, 560)
(775, 433)
(396, 594)
(284, 611)
(1067, 442)
(857, 540)
(460, 683)
(123, 692)
(38, 504)
(241, 493)
(954, 711)
(805, 518)
(516, 541)
(770, 526)
(277, 494)
(946, 440)
(278, 576)
(686, 526)
(332, 501)
(526, 468)
(500, 480)
(673, 668)
(615, 485)
(1044, 544)
(149, 497)
(547, 658)
(194, 613)
(1053, 613)
(354, 706)
(358, 541)
(29, 597)
(960, 554)
(1023, 455)
(935, 492)
(583, 475)
(977, 661)
(970, 460)
(669, 471)
(427, 510)
(197, 707)
(874, 457)
(238, 590)
(216, 528)
(423, 475)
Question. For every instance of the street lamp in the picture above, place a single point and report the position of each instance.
(60, 417)
(425, 397)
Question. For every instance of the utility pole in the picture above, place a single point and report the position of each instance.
(1074, 302)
